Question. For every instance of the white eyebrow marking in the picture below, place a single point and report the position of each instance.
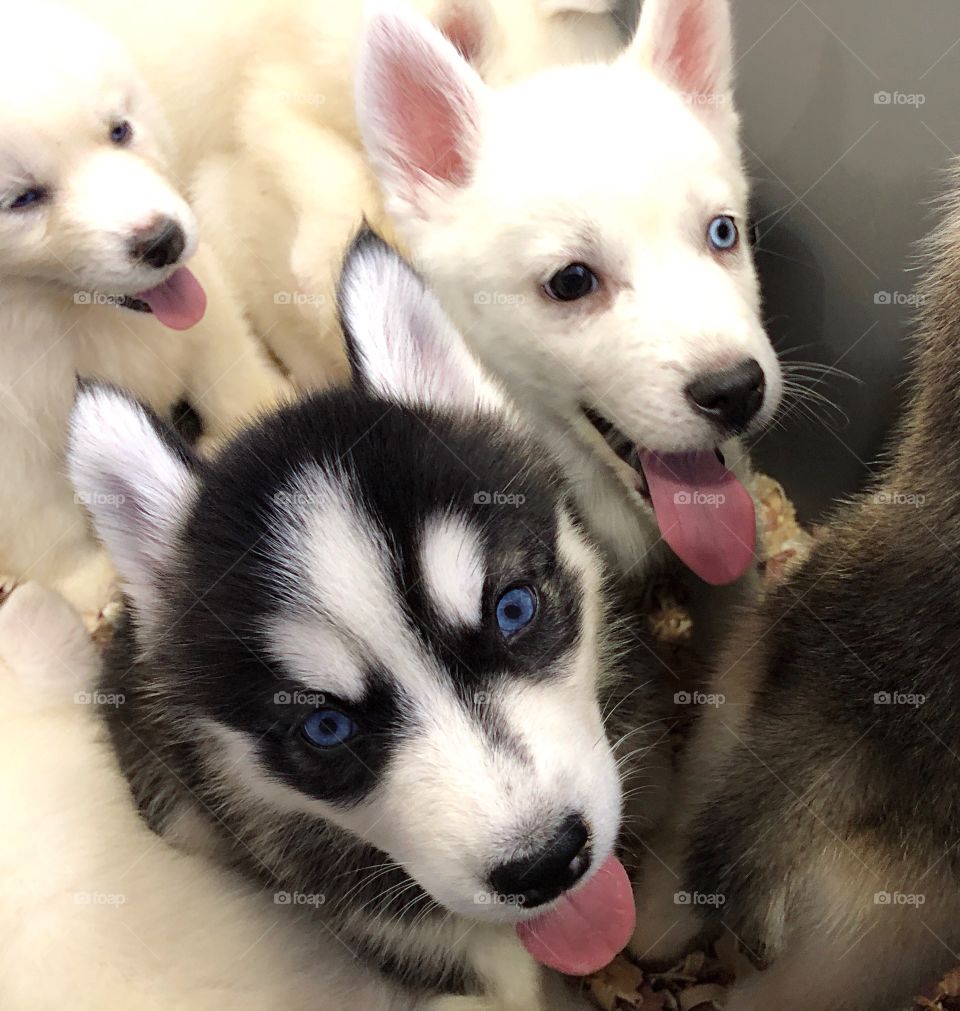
(451, 561)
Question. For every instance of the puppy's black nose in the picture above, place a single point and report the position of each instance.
(159, 244)
(732, 397)
(542, 876)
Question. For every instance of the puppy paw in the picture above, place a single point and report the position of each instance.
(667, 920)
(44, 642)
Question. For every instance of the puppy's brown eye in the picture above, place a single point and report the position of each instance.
(121, 132)
(571, 283)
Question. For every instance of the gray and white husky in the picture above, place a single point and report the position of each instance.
(823, 812)
(365, 660)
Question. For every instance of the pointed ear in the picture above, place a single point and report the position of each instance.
(688, 44)
(418, 106)
(401, 345)
(137, 479)
(470, 26)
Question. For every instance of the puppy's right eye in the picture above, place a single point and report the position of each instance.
(328, 728)
(28, 198)
(571, 283)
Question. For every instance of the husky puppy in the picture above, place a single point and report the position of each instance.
(364, 655)
(261, 95)
(821, 828)
(94, 238)
(98, 913)
(585, 229)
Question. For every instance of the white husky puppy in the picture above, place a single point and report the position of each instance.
(94, 235)
(266, 86)
(95, 911)
(585, 228)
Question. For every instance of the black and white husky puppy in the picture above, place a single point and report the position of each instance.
(364, 661)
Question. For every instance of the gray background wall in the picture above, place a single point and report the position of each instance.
(844, 187)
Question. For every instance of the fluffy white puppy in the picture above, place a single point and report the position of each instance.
(94, 238)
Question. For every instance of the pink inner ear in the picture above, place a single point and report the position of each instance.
(464, 30)
(693, 59)
(428, 117)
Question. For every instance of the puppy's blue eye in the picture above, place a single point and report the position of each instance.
(515, 609)
(328, 728)
(121, 132)
(28, 198)
(723, 233)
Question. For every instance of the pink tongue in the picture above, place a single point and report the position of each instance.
(179, 302)
(704, 513)
(588, 927)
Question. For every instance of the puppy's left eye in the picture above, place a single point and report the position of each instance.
(28, 198)
(571, 283)
(328, 728)
(723, 234)
(515, 609)
(121, 132)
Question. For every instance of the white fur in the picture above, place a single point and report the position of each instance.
(621, 167)
(409, 350)
(452, 560)
(265, 124)
(97, 912)
(59, 258)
